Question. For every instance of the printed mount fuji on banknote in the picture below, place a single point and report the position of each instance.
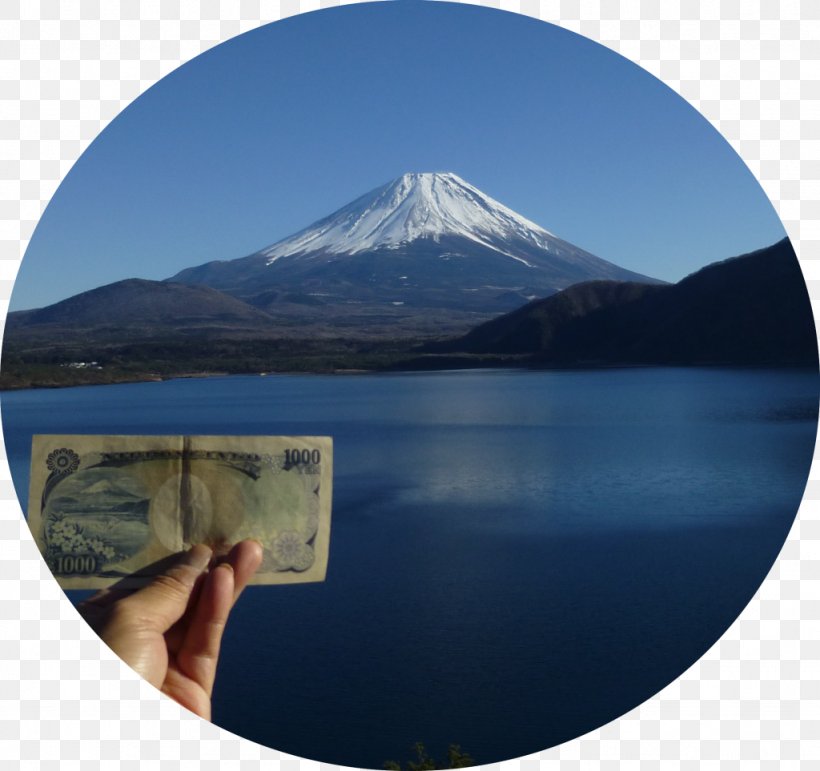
(111, 509)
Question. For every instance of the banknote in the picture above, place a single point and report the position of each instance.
(111, 509)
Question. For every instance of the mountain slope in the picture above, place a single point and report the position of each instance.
(752, 309)
(136, 307)
(538, 325)
(422, 244)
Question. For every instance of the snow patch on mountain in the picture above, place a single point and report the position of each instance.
(415, 206)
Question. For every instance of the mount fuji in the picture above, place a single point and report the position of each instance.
(427, 250)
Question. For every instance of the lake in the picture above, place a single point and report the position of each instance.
(516, 557)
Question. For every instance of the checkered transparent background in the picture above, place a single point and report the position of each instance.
(752, 67)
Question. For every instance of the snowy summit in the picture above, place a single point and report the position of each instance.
(418, 205)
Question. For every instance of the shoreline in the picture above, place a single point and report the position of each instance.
(450, 366)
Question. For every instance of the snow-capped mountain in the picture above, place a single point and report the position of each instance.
(413, 207)
(423, 243)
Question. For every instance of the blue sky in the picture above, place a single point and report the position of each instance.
(272, 130)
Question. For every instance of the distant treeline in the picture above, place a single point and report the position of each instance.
(54, 366)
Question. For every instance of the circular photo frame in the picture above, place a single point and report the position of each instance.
(555, 328)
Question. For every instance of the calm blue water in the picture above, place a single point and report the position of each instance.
(516, 558)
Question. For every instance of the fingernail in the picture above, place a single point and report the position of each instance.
(198, 557)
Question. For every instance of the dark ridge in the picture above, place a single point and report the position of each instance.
(750, 310)
(138, 303)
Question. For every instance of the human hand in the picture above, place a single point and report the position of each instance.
(170, 631)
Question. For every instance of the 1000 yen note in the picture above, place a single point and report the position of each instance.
(109, 509)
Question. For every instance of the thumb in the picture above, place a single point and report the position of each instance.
(163, 602)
